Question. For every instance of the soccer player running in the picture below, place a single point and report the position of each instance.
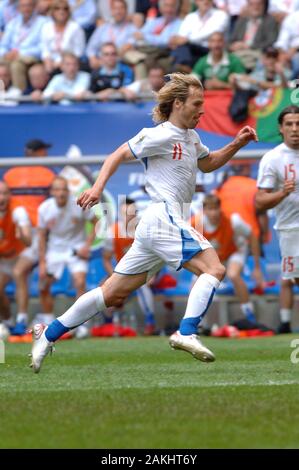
(171, 153)
(278, 183)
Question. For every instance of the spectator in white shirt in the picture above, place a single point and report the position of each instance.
(147, 87)
(84, 12)
(8, 11)
(191, 42)
(281, 8)
(61, 34)
(20, 43)
(7, 91)
(71, 83)
(63, 242)
(288, 42)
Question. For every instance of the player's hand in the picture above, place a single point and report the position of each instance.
(246, 135)
(88, 198)
(288, 187)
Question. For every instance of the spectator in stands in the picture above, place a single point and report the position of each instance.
(84, 13)
(63, 242)
(8, 11)
(120, 32)
(8, 93)
(278, 182)
(71, 83)
(29, 187)
(60, 34)
(152, 41)
(20, 44)
(38, 80)
(191, 42)
(288, 42)
(279, 9)
(253, 32)
(112, 75)
(269, 73)
(117, 244)
(105, 13)
(15, 234)
(238, 181)
(215, 69)
(43, 7)
(147, 87)
(230, 237)
(234, 8)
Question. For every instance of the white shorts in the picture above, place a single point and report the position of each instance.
(56, 262)
(237, 257)
(161, 238)
(289, 250)
(7, 265)
(32, 251)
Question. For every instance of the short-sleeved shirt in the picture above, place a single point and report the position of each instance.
(170, 156)
(206, 69)
(276, 166)
(66, 225)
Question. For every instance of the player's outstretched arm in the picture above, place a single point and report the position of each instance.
(220, 157)
(91, 196)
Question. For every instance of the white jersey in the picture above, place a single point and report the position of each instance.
(276, 166)
(66, 224)
(169, 155)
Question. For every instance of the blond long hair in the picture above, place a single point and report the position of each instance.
(177, 86)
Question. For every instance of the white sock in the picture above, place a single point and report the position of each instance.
(22, 317)
(285, 315)
(84, 308)
(199, 300)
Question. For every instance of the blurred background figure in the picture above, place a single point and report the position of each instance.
(29, 187)
(117, 244)
(63, 242)
(15, 234)
(7, 91)
(231, 237)
(147, 87)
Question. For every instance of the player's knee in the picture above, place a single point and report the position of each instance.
(114, 299)
(218, 271)
(233, 276)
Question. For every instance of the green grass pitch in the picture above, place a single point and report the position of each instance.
(138, 393)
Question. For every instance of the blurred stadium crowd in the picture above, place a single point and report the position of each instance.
(59, 50)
